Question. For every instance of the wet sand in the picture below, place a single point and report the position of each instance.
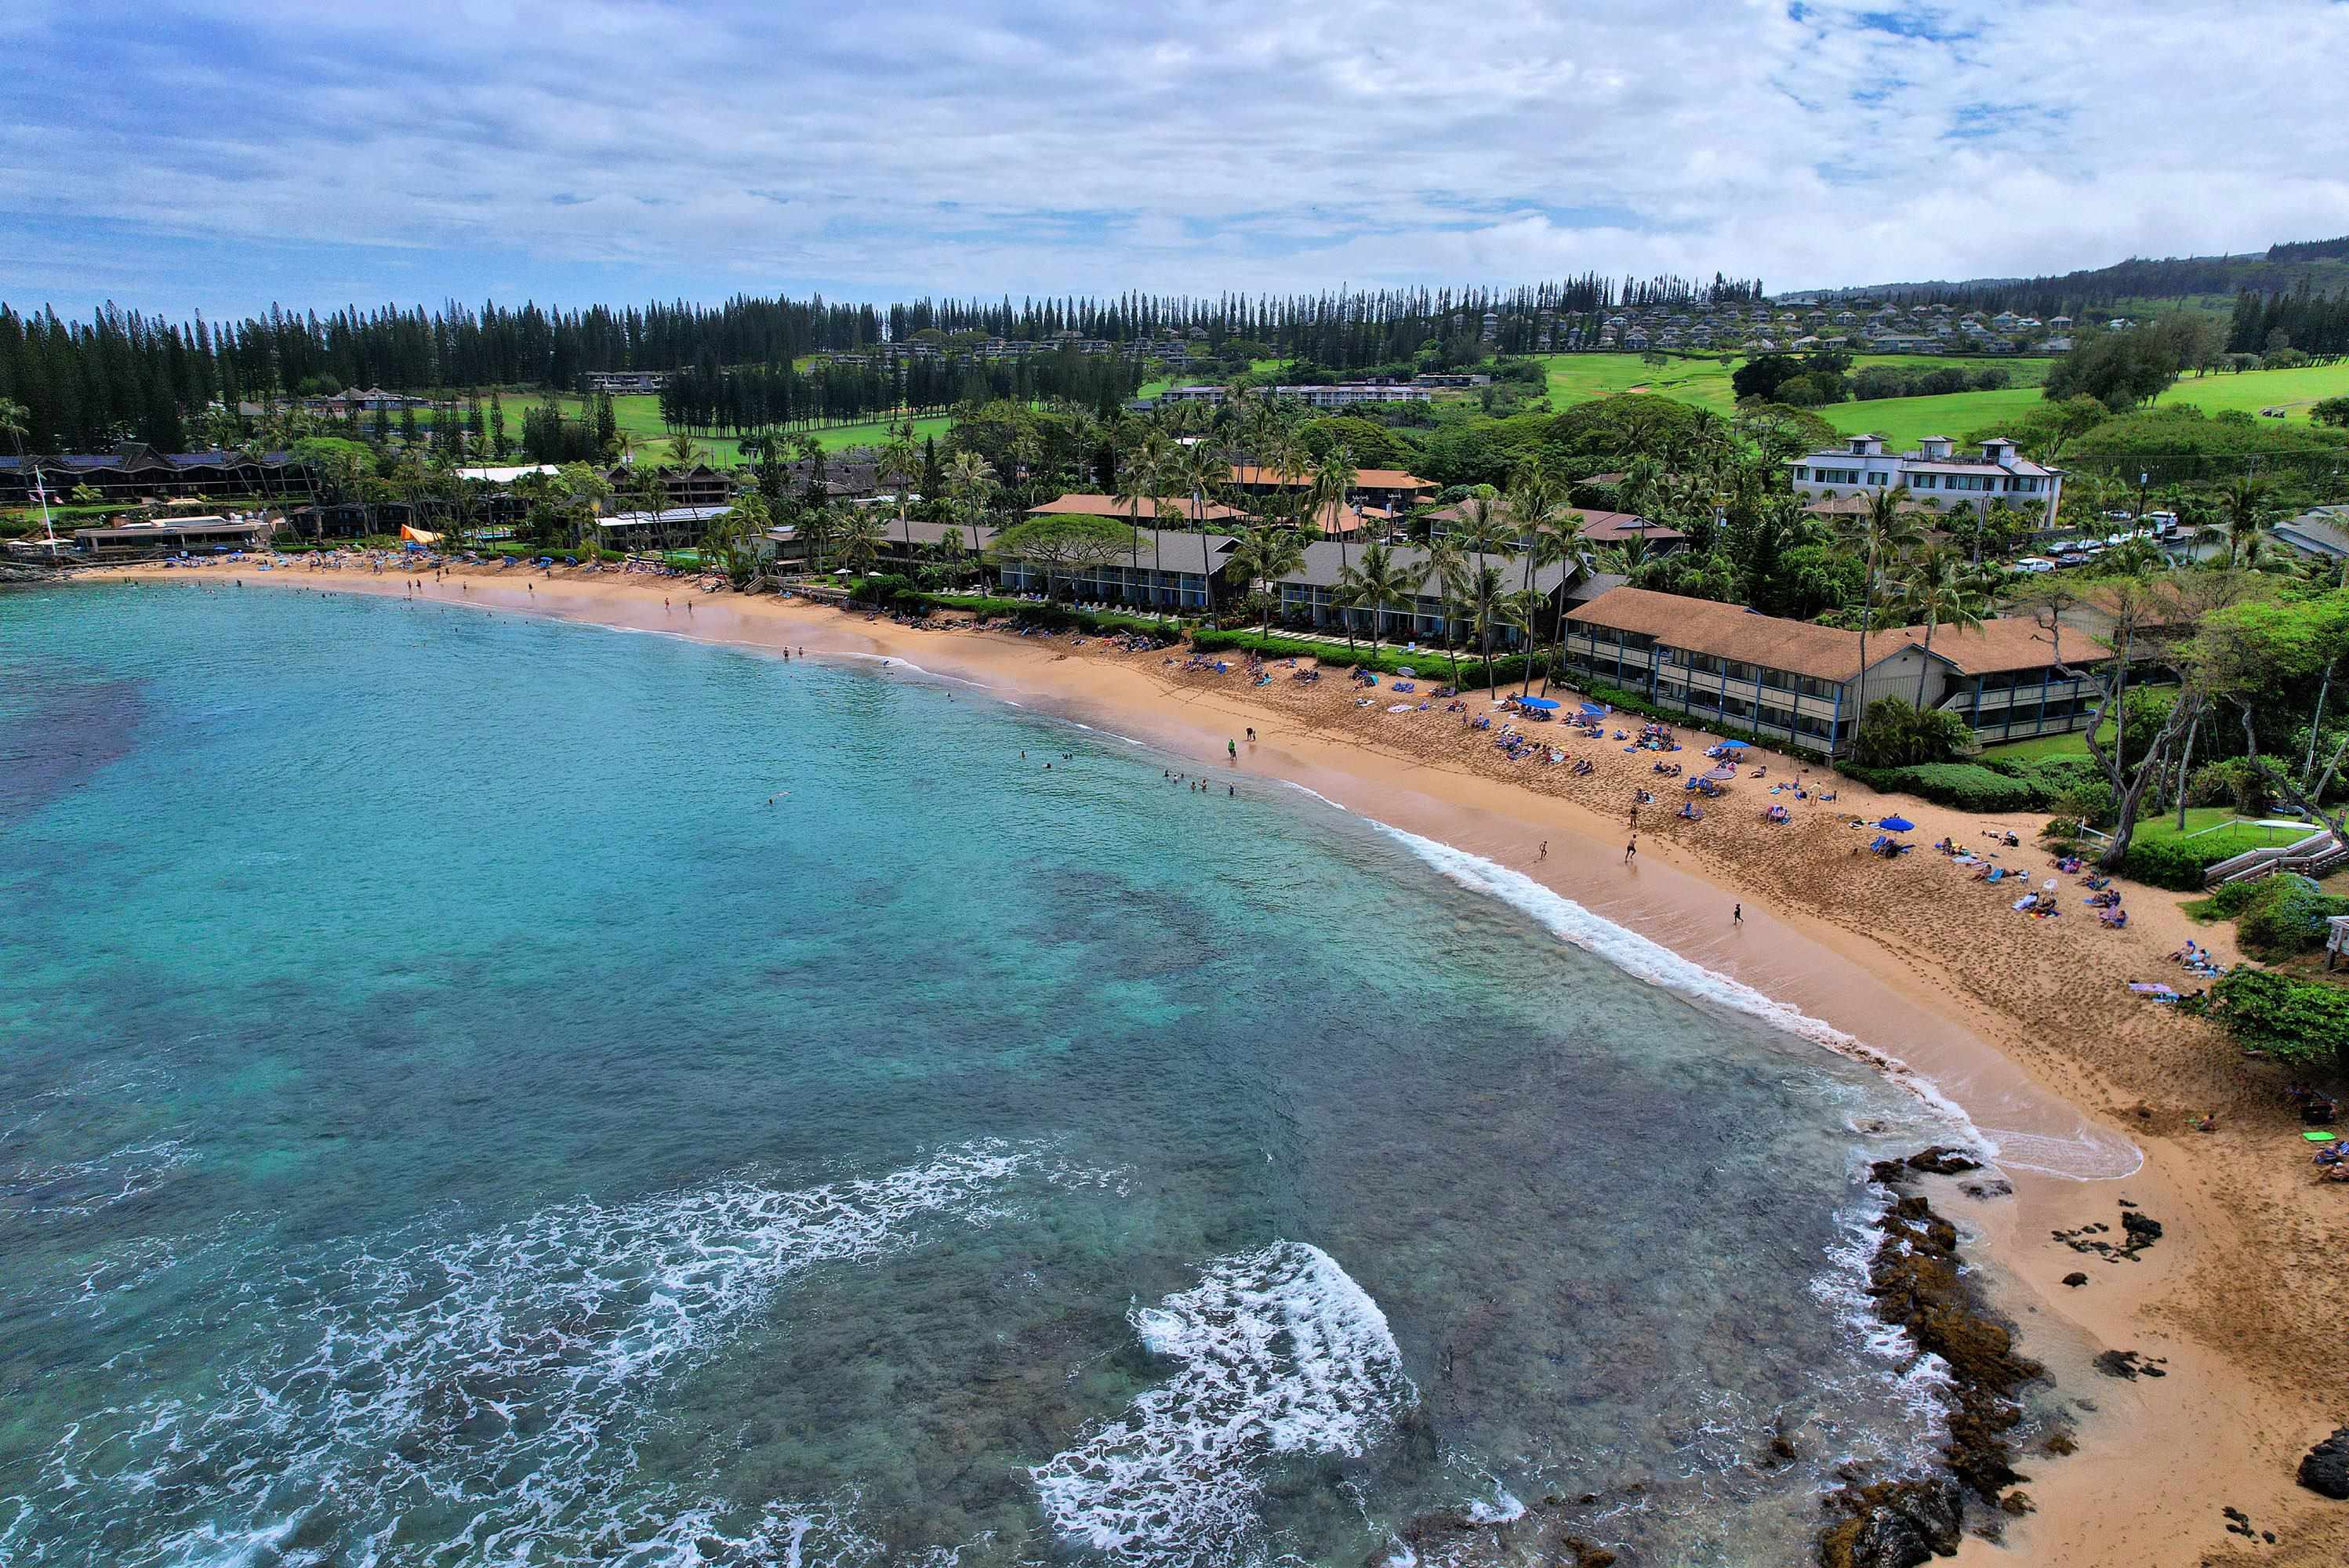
(2026, 1024)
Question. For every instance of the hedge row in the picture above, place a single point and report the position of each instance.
(1432, 663)
(2040, 784)
(2178, 864)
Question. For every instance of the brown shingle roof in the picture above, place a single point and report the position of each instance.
(1081, 504)
(1365, 479)
(1728, 632)
(2005, 644)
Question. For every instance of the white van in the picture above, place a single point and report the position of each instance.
(2034, 563)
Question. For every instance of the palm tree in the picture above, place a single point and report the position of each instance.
(969, 478)
(1939, 591)
(1287, 461)
(1142, 477)
(1542, 541)
(858, 534)
(1203, 468)
(1482, 591)
(1265, 556)
(1887, 527)
(1521, 612)
(1444, 564)
(1377, 583)
(901, 460)
(2244, 505)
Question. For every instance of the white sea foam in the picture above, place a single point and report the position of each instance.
(1280, 1352)
(506, 1374)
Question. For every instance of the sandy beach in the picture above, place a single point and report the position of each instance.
(2026, 1024)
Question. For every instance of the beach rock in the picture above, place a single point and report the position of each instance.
(2142, 1228)
(1940, 1161)
(2060, 1443)
(2017, 1503)
(2075, 1279)
(2324, 1470)
(1896, 1524)
(2128, 1364)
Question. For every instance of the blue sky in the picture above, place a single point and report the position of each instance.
(220, 156)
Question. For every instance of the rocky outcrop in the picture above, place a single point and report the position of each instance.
(2324, 1469)
(1917, 1284)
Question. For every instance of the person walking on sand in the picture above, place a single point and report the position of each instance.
(1737, 915)
(1232, 750)
(1630, 848)
(1544, 851)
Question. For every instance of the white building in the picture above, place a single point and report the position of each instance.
(1936, 474)
(1348, 393)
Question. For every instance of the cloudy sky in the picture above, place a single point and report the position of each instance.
(222, 154)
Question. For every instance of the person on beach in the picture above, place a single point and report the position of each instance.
(1737, 915)
(1630, 848)
(1251, 734)
(1544, 851)
(1232, 750)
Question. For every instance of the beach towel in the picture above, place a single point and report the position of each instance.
(2318, 1136)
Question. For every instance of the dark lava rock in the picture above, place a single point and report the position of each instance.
(1896, 1524)
(1988, 1189)
(2141, 1228)
(2017, 1503)
(2075, 1280)
(2060, 1443)
(2129, 1365)
(1940, 1161)
(2325, 1468)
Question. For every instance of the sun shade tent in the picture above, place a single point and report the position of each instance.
(1897, 824)
(1544, 703)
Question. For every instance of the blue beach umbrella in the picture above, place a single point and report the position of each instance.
(1544, 703)
(1897, 824)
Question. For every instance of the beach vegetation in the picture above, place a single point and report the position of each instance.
(1064, 545)
(1899, 733)
(2300, 1023)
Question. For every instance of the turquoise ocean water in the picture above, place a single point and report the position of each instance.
(447, 1115)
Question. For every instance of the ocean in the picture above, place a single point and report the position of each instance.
(481, 1089)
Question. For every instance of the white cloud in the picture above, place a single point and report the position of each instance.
(1196, 146)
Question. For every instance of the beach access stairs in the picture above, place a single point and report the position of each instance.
(2311, 857)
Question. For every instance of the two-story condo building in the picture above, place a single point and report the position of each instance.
(1805, 684)
(1936, 473)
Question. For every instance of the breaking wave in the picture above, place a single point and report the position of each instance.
(1279, 1351)
(494, 1385)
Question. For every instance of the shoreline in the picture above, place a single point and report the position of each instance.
(2157, 1458)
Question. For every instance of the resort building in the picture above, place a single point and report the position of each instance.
(1352, 394)
(1087, 504)
(187, 536)
(1804, 684)
(135, 471)
(1599, 528)
(1937, 475)
(626, 383)
(1390, 488)
(672, 528)
(700, 485)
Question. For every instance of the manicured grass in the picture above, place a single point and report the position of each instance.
(1578, 378)
(1901, 421)
(2075, 744)
(1904, 421)
(639, 419)
(2214, 829)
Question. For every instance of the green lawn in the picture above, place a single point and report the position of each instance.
(1578, 378)
(639, 419)
(2217, 830)
(2074, 744)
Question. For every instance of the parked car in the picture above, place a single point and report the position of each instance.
(2034, 563)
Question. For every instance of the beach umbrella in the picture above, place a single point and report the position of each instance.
(1897, 824)
(1544, 703)
(1732, 745)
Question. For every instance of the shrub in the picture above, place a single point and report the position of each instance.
(2284, 914)
(1967, 786)
(1897, 735)
(2234, 782)
(2178, 864)
(2299, 1022)
(2092, 800)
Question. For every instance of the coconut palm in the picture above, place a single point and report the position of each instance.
(1938, 590)
(856, 534)
(969, 480)
(1885, 529)
(1263, 556)
(2244, 516)
(1521, 612)
(1444, 563)
(1377, 583)
(1483, 591)
(901, 460)
(1203, 469)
